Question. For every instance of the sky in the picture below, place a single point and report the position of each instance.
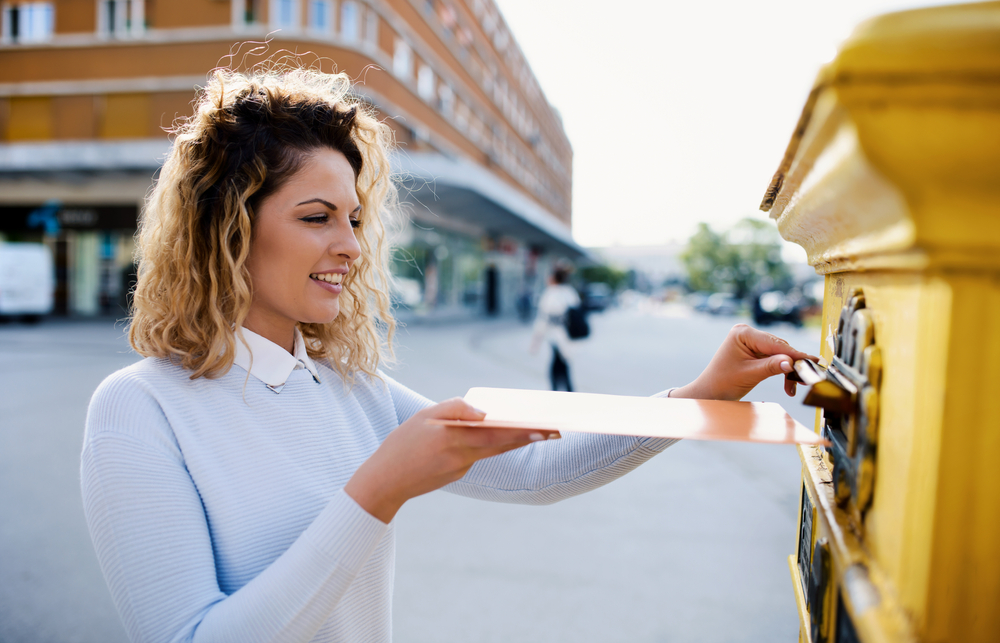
(678, 112)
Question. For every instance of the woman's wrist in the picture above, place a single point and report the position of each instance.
(693, 391)
(372, 497)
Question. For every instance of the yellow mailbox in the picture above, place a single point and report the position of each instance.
(891, 183)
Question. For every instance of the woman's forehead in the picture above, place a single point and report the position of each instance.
(327, 171)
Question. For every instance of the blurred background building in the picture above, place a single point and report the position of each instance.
(88, 86)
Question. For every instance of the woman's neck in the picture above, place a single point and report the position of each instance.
(281, 334)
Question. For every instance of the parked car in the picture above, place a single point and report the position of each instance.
(775, 306)
(722, 303)
(698, 301)
(597, 296)
(27, 281)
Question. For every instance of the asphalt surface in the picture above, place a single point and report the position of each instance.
(690, 547)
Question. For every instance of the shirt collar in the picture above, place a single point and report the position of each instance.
(270, 363)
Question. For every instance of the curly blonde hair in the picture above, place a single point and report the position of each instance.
(249, 133)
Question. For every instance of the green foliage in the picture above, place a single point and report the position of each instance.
(743, 259)
(705, 254)
(603, 274)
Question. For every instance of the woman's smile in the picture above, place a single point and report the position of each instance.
(329, 281)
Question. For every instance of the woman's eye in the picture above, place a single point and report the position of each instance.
(355, 223)
(316, 218)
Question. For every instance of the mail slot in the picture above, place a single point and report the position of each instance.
(847, 392)
(891, 184)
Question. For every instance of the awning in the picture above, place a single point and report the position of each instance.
(464, 191)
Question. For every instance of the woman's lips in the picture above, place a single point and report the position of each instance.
(329, 281)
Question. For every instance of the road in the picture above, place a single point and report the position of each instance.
(690, 547)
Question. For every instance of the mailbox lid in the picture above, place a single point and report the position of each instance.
(895, 162)
(956, 43)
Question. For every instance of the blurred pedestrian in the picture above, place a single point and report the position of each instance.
(240, 482)
(550, 325)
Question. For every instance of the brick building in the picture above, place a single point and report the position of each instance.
(88, 86)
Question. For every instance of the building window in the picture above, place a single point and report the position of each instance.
(285, 14)
(28, 22)
(321, 16)
(350, 21)
(120, 18)
(402, 60)
(371, 27)
(446, 99)
(425, 82)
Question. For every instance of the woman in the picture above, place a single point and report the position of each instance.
(240, 482)
(550, 325)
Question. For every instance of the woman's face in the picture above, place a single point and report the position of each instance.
(303, 245)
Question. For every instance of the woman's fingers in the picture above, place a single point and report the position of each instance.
(482, 438)
(454, 409)
(763, 368)
(420, 456)
(765, 344)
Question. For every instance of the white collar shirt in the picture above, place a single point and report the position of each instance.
(270, 363)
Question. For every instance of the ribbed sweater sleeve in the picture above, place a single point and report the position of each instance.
(153, 541)
(547, 472)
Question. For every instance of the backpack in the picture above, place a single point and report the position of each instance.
(576, 323)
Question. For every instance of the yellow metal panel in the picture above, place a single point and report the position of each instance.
(869, 595)
(892, 185)
(911, 313)
(125, 116)
(800, 600)
(30, 118)
(965, 566)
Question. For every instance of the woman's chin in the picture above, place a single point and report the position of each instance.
(323, 318)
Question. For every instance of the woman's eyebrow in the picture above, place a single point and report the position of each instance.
(317, 200)
(356, 210)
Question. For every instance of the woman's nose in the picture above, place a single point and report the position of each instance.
(345, 243)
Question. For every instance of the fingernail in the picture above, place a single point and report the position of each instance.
(536, 437)
(479, 410)
(786, 367)
(554, 436)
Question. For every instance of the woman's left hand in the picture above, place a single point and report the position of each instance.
(746, 358)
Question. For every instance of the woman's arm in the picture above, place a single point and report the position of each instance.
(549, 472)
(152, 539)
(554, 470)
(419, 456)
(746, 358)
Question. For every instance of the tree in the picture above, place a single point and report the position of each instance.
(744, 259)
(604, 274)
(704, 258)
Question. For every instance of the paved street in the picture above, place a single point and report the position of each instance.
(691, 547)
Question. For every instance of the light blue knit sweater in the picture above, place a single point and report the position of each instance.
(217, 506)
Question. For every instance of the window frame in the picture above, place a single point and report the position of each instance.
(350, 31)
(402, 56)
(295, 18)
(426, 82)
(330, 9)
(19, 20)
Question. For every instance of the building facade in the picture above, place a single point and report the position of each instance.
(89, 87)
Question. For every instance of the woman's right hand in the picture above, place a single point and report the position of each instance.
(421, 456)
